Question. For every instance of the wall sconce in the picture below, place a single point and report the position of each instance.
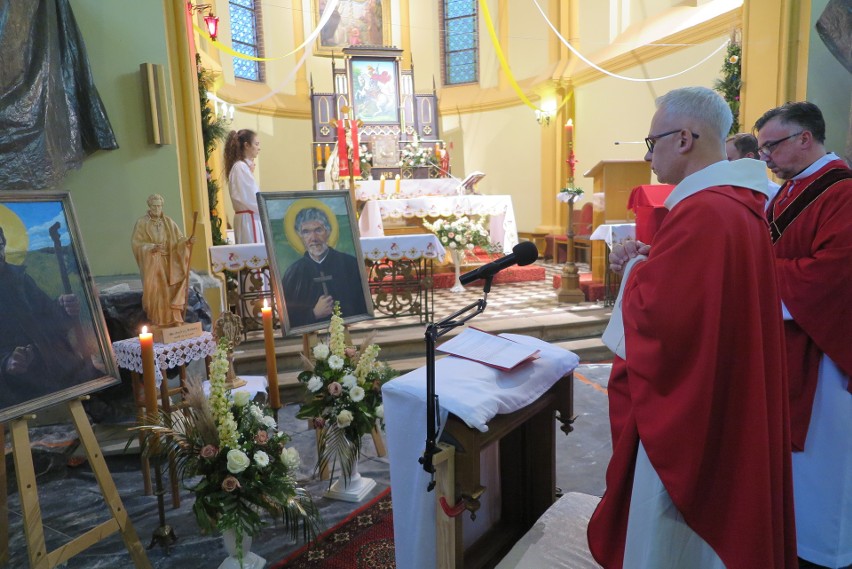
(543, 117)
(211, 22)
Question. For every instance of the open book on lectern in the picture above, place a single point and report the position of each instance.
(495, 351)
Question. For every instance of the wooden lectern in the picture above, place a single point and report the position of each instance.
(614, 179)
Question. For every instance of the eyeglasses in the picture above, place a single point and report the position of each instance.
(767, 148)
(651, 141)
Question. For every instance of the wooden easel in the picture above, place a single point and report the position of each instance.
(39, 557)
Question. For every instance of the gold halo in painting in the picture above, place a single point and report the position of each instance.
(17, 238)
(290, 220)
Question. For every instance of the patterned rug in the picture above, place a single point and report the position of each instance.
(364, 540)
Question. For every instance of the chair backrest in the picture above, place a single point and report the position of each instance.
(583, 220)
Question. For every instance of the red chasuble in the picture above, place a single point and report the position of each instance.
(814, 264)
(704, 385)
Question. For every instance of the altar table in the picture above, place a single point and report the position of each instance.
(408, 188)
(501, 221)
(478, 405)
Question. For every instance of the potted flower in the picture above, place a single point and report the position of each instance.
(230, 454)
(344, 402)
(459, 235)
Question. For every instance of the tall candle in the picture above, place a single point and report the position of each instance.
(382, 184)
(271, 364)
(569, 130)
(437, 149)
(327, 153)
(396, 184)
(319, 154)
(149, 379)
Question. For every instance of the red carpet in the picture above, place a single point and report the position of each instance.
(364, 540)
(594, 290)
(444, 276)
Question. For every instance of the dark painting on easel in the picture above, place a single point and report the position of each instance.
(315, 257)
(53, 341)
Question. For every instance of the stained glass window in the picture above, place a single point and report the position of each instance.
(244, 38)
(459, 47)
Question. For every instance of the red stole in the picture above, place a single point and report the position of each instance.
(814, 267)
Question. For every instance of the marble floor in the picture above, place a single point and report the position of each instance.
(71, 502)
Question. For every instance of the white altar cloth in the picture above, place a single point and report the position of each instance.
(396, 247)
(128, 353)
(238, 257)
(501, 224)
(476, 394)
(408, 188)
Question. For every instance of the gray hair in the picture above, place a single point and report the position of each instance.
(311, 214)
(701, 104)
(156, 197)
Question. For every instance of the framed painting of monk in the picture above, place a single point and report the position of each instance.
(315, 258)
(53, 340)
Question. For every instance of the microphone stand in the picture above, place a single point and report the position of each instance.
(433, 332)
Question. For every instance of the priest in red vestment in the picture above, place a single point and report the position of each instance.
(811, 228)
(700, 475)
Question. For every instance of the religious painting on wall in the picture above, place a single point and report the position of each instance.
(375, 90)
(315, 258)
(53, 341)
(353, 23)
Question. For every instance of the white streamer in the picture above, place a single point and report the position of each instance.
(605, 72)
(309, 50)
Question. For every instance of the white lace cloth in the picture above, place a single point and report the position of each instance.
(501, 222)
(128, 353)
(408, 188)
(614, 233)
(398, 247)
(238, 257)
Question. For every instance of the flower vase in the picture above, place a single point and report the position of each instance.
(353, 490)
(457, 261)
(250, 560)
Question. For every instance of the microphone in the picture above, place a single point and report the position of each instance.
(522, 254)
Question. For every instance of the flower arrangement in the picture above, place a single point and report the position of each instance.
(414, 155)
(244, 465)
(366, 159)
(569, 194)
(460, 233)
(344, 398)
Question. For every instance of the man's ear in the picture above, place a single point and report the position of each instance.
(750, 155)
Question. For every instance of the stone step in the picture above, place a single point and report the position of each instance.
(407, 343)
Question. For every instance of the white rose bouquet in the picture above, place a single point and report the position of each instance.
(460, 233)
(244, 465)
(344, 395)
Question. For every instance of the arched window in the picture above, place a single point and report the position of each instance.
(459, 42)
(246, 38)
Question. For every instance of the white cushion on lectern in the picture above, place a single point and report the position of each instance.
(558, 538)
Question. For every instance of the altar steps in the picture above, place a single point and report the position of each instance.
(576, 330)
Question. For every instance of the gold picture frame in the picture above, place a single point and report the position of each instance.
(354, 23)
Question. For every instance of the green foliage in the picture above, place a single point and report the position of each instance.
(213, 131)
(731, 81)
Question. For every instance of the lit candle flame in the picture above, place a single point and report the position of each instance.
(144, 329)
(265, 303)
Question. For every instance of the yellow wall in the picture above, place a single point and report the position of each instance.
(110, 190)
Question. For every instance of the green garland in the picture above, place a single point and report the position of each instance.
(731, 82)
(213, 130)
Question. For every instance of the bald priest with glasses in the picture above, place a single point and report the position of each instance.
(810, 221)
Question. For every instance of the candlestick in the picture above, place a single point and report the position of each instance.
(437, 149)
(396, 183)
(271, 364)
(382, 184)
(327, 153)
(319, 155)
(149, 380)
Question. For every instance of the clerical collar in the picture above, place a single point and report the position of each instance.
(812, 169)
(743, 173)
(321, 260)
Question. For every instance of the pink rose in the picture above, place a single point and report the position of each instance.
(377, 386)
(319, 422)
(209, 452)
(350, 352)
(335, 389)
(229, 484)
(261, 437)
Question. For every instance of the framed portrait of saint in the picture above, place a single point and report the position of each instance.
(375, 90)
(53, 340)
(315, 258)
(352, 23)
